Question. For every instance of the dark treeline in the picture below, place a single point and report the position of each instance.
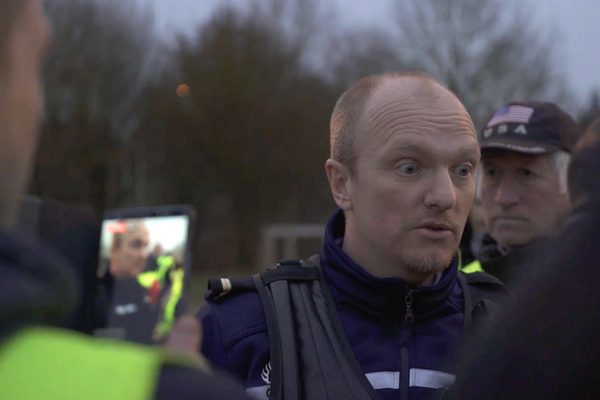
(234, 119)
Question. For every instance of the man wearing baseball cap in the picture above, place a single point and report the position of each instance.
(525, 152)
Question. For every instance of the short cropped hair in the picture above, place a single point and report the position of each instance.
(9, 11)
(562, 160)
(345, 116)
(350, 107)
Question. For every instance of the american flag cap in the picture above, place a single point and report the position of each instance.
(532, 127)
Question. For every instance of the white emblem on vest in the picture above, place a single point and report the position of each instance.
(266, 373)
(125, 309)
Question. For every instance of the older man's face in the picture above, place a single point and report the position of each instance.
(521, 197)
(21, 102)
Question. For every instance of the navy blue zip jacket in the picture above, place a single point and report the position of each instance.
(403, 336)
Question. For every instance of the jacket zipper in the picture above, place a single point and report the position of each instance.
(404, 337)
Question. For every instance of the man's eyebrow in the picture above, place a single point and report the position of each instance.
(470, 151)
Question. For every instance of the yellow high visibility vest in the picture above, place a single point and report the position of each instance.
(47, 363)
(472, 267)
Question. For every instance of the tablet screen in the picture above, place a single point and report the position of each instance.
(144, 263)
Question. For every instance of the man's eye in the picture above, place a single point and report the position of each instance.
(464, 170)
(137, 244)
(527, 173)
(489, 172)
(408, 169)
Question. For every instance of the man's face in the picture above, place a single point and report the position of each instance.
(413, 184)
(21, 103)
(521, 197)
(129, 258)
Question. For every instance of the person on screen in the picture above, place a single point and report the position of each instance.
(146, 286)
(129, 249)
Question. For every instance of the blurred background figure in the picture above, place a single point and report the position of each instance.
(526, 149)
(545, 345)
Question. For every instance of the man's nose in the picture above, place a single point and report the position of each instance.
(506, 192)
(140, 252)
(441, 193)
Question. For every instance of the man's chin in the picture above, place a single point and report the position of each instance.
(429, 264)
(510, 240)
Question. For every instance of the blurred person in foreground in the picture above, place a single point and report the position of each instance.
(545, 343)
(525, 153)
(379, 312)
(36, 288)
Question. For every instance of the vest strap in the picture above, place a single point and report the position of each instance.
(306, 337)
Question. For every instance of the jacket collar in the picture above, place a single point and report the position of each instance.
(510, 265)
(383, 297)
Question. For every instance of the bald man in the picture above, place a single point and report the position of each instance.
(386, 307)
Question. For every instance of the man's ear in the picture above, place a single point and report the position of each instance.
(340, 183)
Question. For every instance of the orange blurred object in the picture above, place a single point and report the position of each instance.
(182, 90)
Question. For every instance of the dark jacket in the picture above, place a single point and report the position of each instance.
(38, 288)
(510, 267)
(404, 355)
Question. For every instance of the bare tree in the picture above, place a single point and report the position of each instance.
(487, 51)
(248, 138)
(355, 53)
(103, 57)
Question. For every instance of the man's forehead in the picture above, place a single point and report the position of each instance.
(416, 102)
(411, 141)
(137, 229)
(415, 144)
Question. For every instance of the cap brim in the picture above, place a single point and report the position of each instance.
(519, 146)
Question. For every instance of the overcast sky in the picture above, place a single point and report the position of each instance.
(577, 23)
